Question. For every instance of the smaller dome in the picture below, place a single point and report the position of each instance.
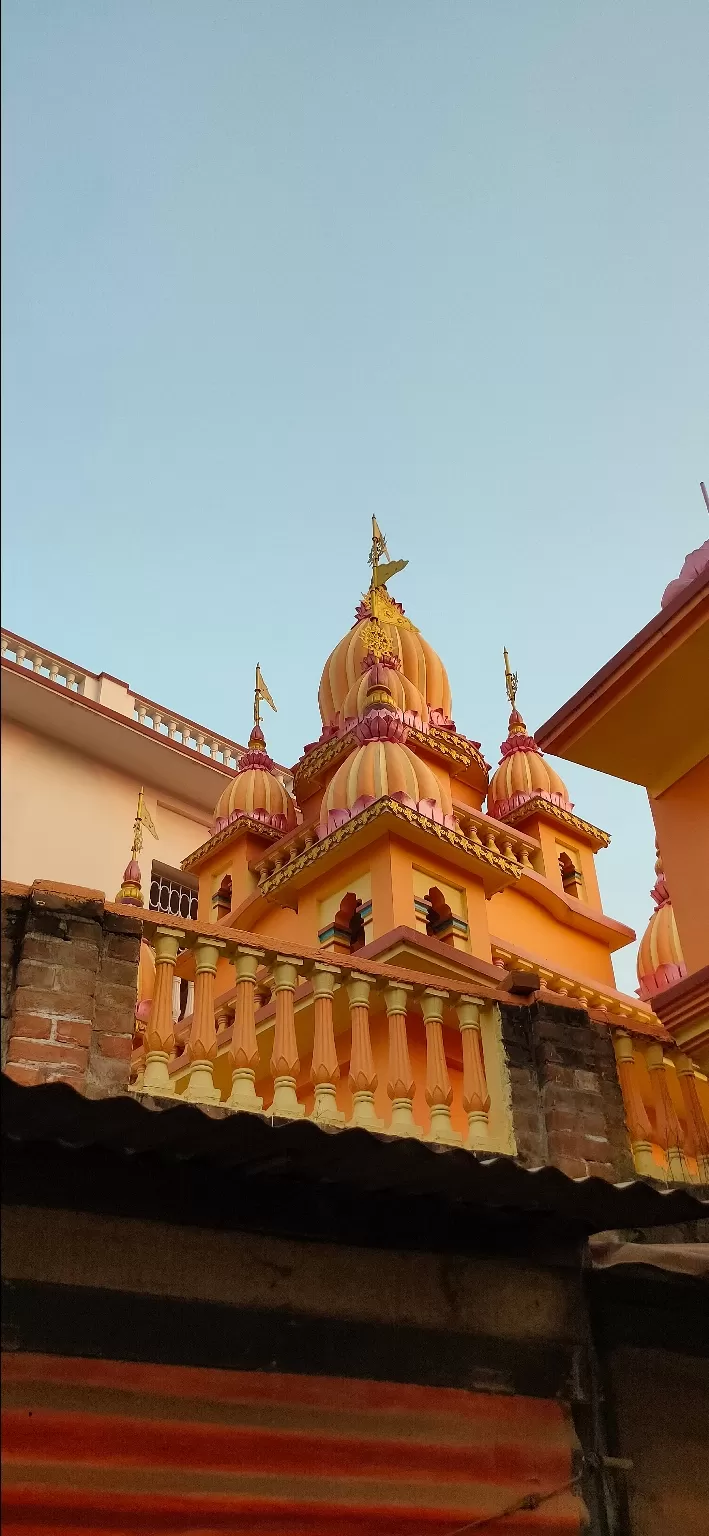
(402, 693)
(523, 774)
(130, 894)
(256, 791)
(660, 960)
(380, 768)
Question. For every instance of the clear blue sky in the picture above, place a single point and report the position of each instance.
(272, 267)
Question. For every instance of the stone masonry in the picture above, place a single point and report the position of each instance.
(69, 986)
(567, 1106)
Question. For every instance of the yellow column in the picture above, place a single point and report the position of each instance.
(696, 1120)
(439, 1093)
(325, 1071)
(476, 1099)
(401, 1086)
(636, 1117)
(363, 1078)
(159, 1032)
(243, 1056)
(285, 1064)
(669, 1132)
(202, 1044)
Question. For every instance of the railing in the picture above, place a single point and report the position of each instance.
(166, 723)
(43, 662)
(276, 1040)
(615, 1006)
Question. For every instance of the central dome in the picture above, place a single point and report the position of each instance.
(379, 769)
(422, 684)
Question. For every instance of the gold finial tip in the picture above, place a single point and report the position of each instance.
(510, 679)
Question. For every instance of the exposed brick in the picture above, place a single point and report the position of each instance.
(114, 1021)
(47, 1051)
(31, 1026)
(119, 1047)
(72, 1032)
(122, 946)
(75, 979)
(54, 951)
(573, 1167)
(106, 1076)
(35, 973)
(118, 972)
(27, 1076)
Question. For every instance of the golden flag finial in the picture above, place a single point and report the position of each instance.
(510, 680)
(261, 692)
(381, 573)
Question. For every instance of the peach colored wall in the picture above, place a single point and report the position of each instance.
(681, 817)
(68, 818)
(517, 920)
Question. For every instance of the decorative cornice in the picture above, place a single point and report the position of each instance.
(456, 751)
(243, 824)
(539, 806)
(271, 879)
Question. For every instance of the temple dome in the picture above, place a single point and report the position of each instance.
(405, 696)
(422, 675)
(660, 960)
(256, 790)
(523, 774)
(380, 768)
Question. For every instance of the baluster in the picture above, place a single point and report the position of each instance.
(70, 679)
(20, 654)
(401, 1086)
(244, 1057)
(636, 1116)
(285, 1064)
(476, 1099)
(37, 660)
(696, 1119)
(159, 1032)
(202, 1044)
(141, 714)
(157, 720)
(439, 1093)
(325, 1069)
(172, 729)
(669, 1132)
(4, 647)
(54, 672)
(363, 1078)
(199, 740)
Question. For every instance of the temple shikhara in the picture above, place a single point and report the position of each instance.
(318, 1088)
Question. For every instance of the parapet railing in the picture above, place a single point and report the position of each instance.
(56, 668)
(273, 1039)
(165, 722)
(274, 991)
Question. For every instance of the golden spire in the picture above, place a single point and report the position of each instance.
(261, 692)
(381, 573)
(130, 891)
(510, 680)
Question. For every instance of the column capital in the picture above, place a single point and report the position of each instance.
(395, 995)
(358, 989)
(206, 955)
(166, 943)
(324, 980)
(468, 1010)
(246, 963)
(285, 973)
(432, 1005)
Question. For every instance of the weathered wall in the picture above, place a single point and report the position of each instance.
(661, 1412)
(567, 1106)
(72, 1007)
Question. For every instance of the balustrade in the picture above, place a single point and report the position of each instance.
(249, 1048)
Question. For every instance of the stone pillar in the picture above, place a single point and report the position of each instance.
(439, 1094)
(159, 1032)
(565, 1097)
(202, 1044)
(70, 970)
(325, 1070)
(476, 1099)
(636, 1117)
(285, 1064)
(363, 1078)
(400, 1087)
(244, 1057)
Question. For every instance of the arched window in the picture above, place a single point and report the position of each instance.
(221, 900)
(439, 923)
(346, 931)
(570, 877)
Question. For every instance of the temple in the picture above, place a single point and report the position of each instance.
(326, 1126)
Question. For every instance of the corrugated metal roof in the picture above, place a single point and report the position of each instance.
(55, 1113)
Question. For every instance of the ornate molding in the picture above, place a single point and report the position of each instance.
(539, 806)
(271, 878)
(242, 824)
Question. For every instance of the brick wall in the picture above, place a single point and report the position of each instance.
(71, 980)
(567, 1106)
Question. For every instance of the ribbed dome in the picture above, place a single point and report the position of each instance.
(420, 668)
(660, 960)
(256, 791)
(523, 774)
(404, 694)
(381, 768)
